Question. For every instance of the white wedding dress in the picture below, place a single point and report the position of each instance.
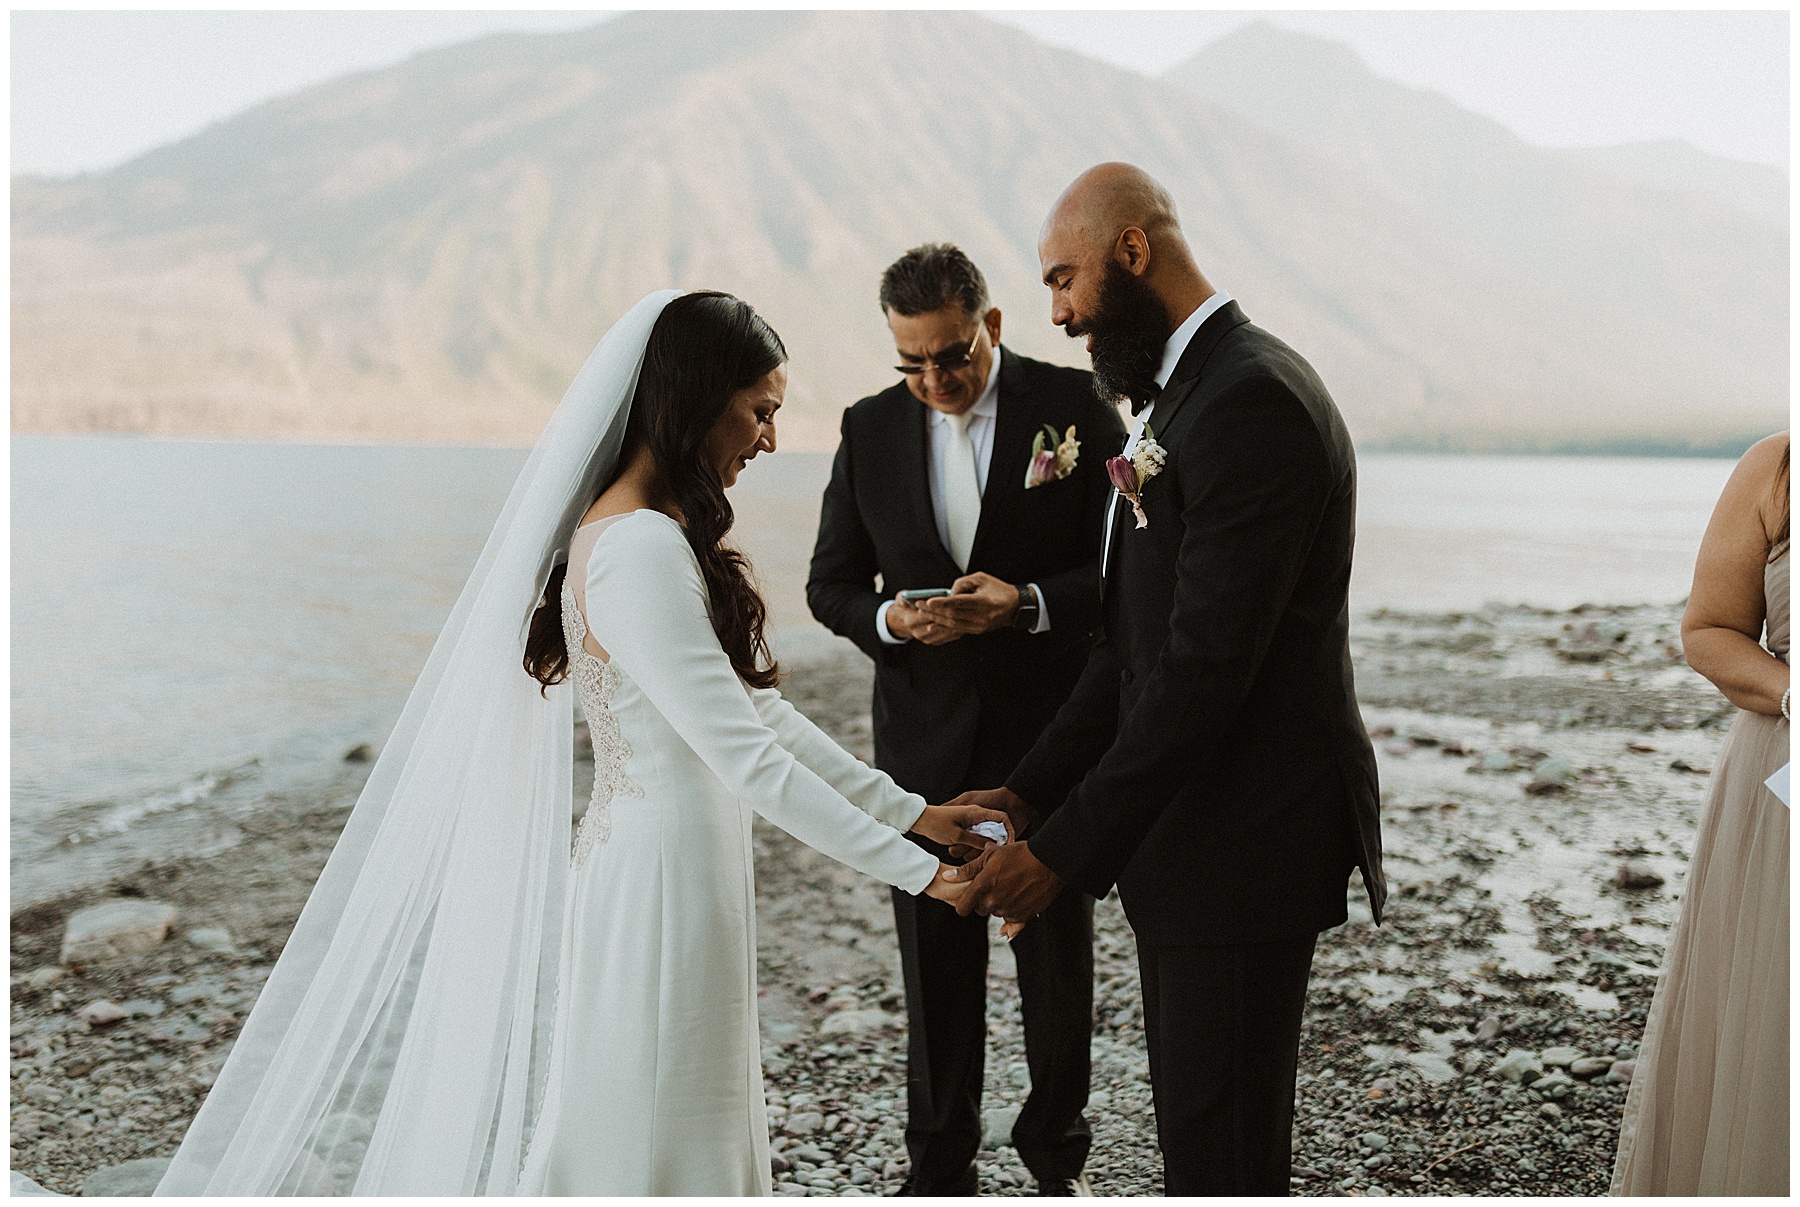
(655, 1079)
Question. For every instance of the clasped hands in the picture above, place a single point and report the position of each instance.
(999, 879)
(977, 603)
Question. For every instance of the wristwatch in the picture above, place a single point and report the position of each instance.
(1026, 617)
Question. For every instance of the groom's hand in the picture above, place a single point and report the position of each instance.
(1018, 814)
(1009, 881)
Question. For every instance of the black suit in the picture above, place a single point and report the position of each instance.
(1213, 758)
(958, 716)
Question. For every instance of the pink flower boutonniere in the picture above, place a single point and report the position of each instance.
(1131, 474)
(1052, 459)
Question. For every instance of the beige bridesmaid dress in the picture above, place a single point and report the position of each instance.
(1707, 1113)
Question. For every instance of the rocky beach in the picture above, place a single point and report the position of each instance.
(1542, 773)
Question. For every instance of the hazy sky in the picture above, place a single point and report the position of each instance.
(91, 89)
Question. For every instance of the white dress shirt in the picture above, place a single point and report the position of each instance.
(984, 419)
(1172, 352)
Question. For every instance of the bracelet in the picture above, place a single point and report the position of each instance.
(1786, 715)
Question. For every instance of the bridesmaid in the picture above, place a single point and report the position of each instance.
(1708, 1109)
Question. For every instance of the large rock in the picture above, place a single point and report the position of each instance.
(134, 1179)
(115, 928)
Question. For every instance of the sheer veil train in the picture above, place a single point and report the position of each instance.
(399, 1045)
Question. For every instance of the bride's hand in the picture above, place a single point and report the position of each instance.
(949, 825)
(948, 891)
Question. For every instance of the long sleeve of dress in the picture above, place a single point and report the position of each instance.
(872, 791)
(646, 604)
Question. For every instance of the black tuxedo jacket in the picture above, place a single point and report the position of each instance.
(972, 707)
(1213, 757)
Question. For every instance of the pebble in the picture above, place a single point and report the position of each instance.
(996, 1126)
(1590, 1066)
(1635, 875)
(1622, 1072)
(359, 753)
(1517, 1064)
(857, 1022)
(1560, 1056)
(101, 1013)
(804, 1123)
(48, 975)
(1488, 1029)
(1554, 770)
(1556, 1085)
(211, 938)
(115, 928)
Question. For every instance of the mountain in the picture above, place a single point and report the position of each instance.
(1615, 232)
(427, 251)
(1675, 163)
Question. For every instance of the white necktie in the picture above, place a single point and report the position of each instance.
(962, 492)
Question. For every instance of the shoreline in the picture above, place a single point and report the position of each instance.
(1722, 449)
(1525, 754)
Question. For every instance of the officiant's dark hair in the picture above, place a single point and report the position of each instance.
(704, 348)
(929, 278)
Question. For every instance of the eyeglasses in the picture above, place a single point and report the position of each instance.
(948, 361)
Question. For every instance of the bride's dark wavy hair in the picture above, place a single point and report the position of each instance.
(704, 348)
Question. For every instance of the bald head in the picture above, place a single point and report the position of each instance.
(1107, 199)
(1116, 219)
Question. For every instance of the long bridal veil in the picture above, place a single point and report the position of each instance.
(400, 1043)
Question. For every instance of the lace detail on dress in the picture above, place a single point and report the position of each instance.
(595, 682)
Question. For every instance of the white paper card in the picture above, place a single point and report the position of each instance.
(1778, 784)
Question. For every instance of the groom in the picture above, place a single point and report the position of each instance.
(1212, 756)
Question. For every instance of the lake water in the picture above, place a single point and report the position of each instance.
(203, 627)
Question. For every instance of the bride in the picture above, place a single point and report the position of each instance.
(463, 1008)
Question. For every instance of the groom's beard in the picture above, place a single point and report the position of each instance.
(1129, 327)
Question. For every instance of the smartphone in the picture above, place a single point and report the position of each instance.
(918, 593)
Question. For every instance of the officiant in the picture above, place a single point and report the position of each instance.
(981, 473)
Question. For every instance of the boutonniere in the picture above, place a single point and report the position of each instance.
(1051, 459)
(1131, 474)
